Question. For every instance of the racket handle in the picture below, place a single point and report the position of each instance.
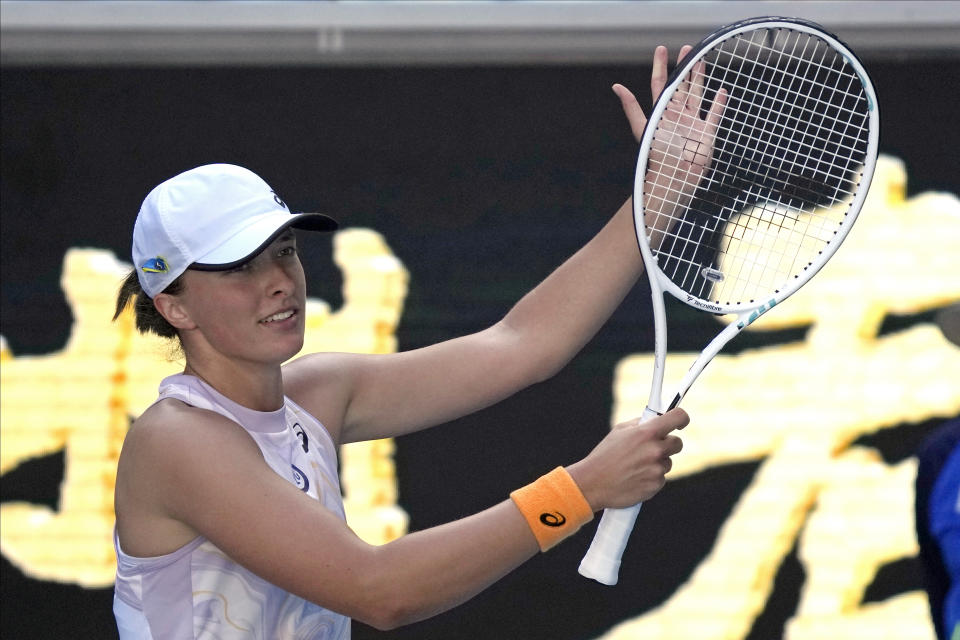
(602, 561)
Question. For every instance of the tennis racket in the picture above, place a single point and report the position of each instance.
(753, 166)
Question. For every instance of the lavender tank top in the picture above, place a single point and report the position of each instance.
(197, 592)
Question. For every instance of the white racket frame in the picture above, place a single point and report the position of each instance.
(602, 560)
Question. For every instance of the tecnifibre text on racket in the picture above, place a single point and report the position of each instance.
(753, 166)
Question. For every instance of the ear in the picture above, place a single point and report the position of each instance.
(173, 310)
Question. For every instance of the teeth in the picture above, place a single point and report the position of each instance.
(283, 315)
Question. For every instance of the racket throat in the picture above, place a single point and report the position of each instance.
(676, 401)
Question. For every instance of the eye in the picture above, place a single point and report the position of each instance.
(240, 268)
(289, 250)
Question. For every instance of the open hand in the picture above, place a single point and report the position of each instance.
(682, 148)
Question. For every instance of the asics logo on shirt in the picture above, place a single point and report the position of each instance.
(300, 479)
(304, 442)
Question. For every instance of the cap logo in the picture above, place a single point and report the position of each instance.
(279, 201)
(155, 265)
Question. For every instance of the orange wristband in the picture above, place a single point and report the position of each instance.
(553, 506)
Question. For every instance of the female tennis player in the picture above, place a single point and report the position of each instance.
(229, 515)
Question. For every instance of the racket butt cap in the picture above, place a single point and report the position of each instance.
(603, 570)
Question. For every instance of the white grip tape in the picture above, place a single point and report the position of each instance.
(602, 561)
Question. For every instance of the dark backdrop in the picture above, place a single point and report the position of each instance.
(482, 180)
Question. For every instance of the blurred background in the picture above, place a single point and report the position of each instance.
(467, 149)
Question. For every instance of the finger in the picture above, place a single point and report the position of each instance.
(683, 91)
(670, 421)
(658, 78)
(679, 99)
(672, 445)
(716, 112)
(632, 109)
(667, 465)
(696, 86)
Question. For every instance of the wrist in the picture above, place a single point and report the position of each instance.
(553, 506)
(588, 483)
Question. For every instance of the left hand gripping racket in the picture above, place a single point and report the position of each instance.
(753, 166)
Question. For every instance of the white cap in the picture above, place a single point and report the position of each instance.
(211, 218)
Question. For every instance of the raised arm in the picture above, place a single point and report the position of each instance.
(361, 397)
(366, 397)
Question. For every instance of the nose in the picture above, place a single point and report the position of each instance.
(280, 282)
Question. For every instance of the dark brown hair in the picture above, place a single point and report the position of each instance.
(148, 319)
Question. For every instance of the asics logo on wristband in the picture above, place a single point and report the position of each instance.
(555, 519)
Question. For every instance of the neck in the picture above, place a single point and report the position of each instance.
(255, 387)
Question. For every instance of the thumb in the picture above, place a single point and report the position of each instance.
(632, 109)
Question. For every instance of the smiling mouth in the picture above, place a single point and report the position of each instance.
(282, 315)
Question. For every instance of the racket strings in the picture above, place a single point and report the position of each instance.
(752, 268)
(748, 265)
(808, 83)
(782, 171)
(776, 142)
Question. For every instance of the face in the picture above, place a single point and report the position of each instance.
(254, 312)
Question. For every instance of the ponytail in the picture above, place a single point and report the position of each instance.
(148, 319)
